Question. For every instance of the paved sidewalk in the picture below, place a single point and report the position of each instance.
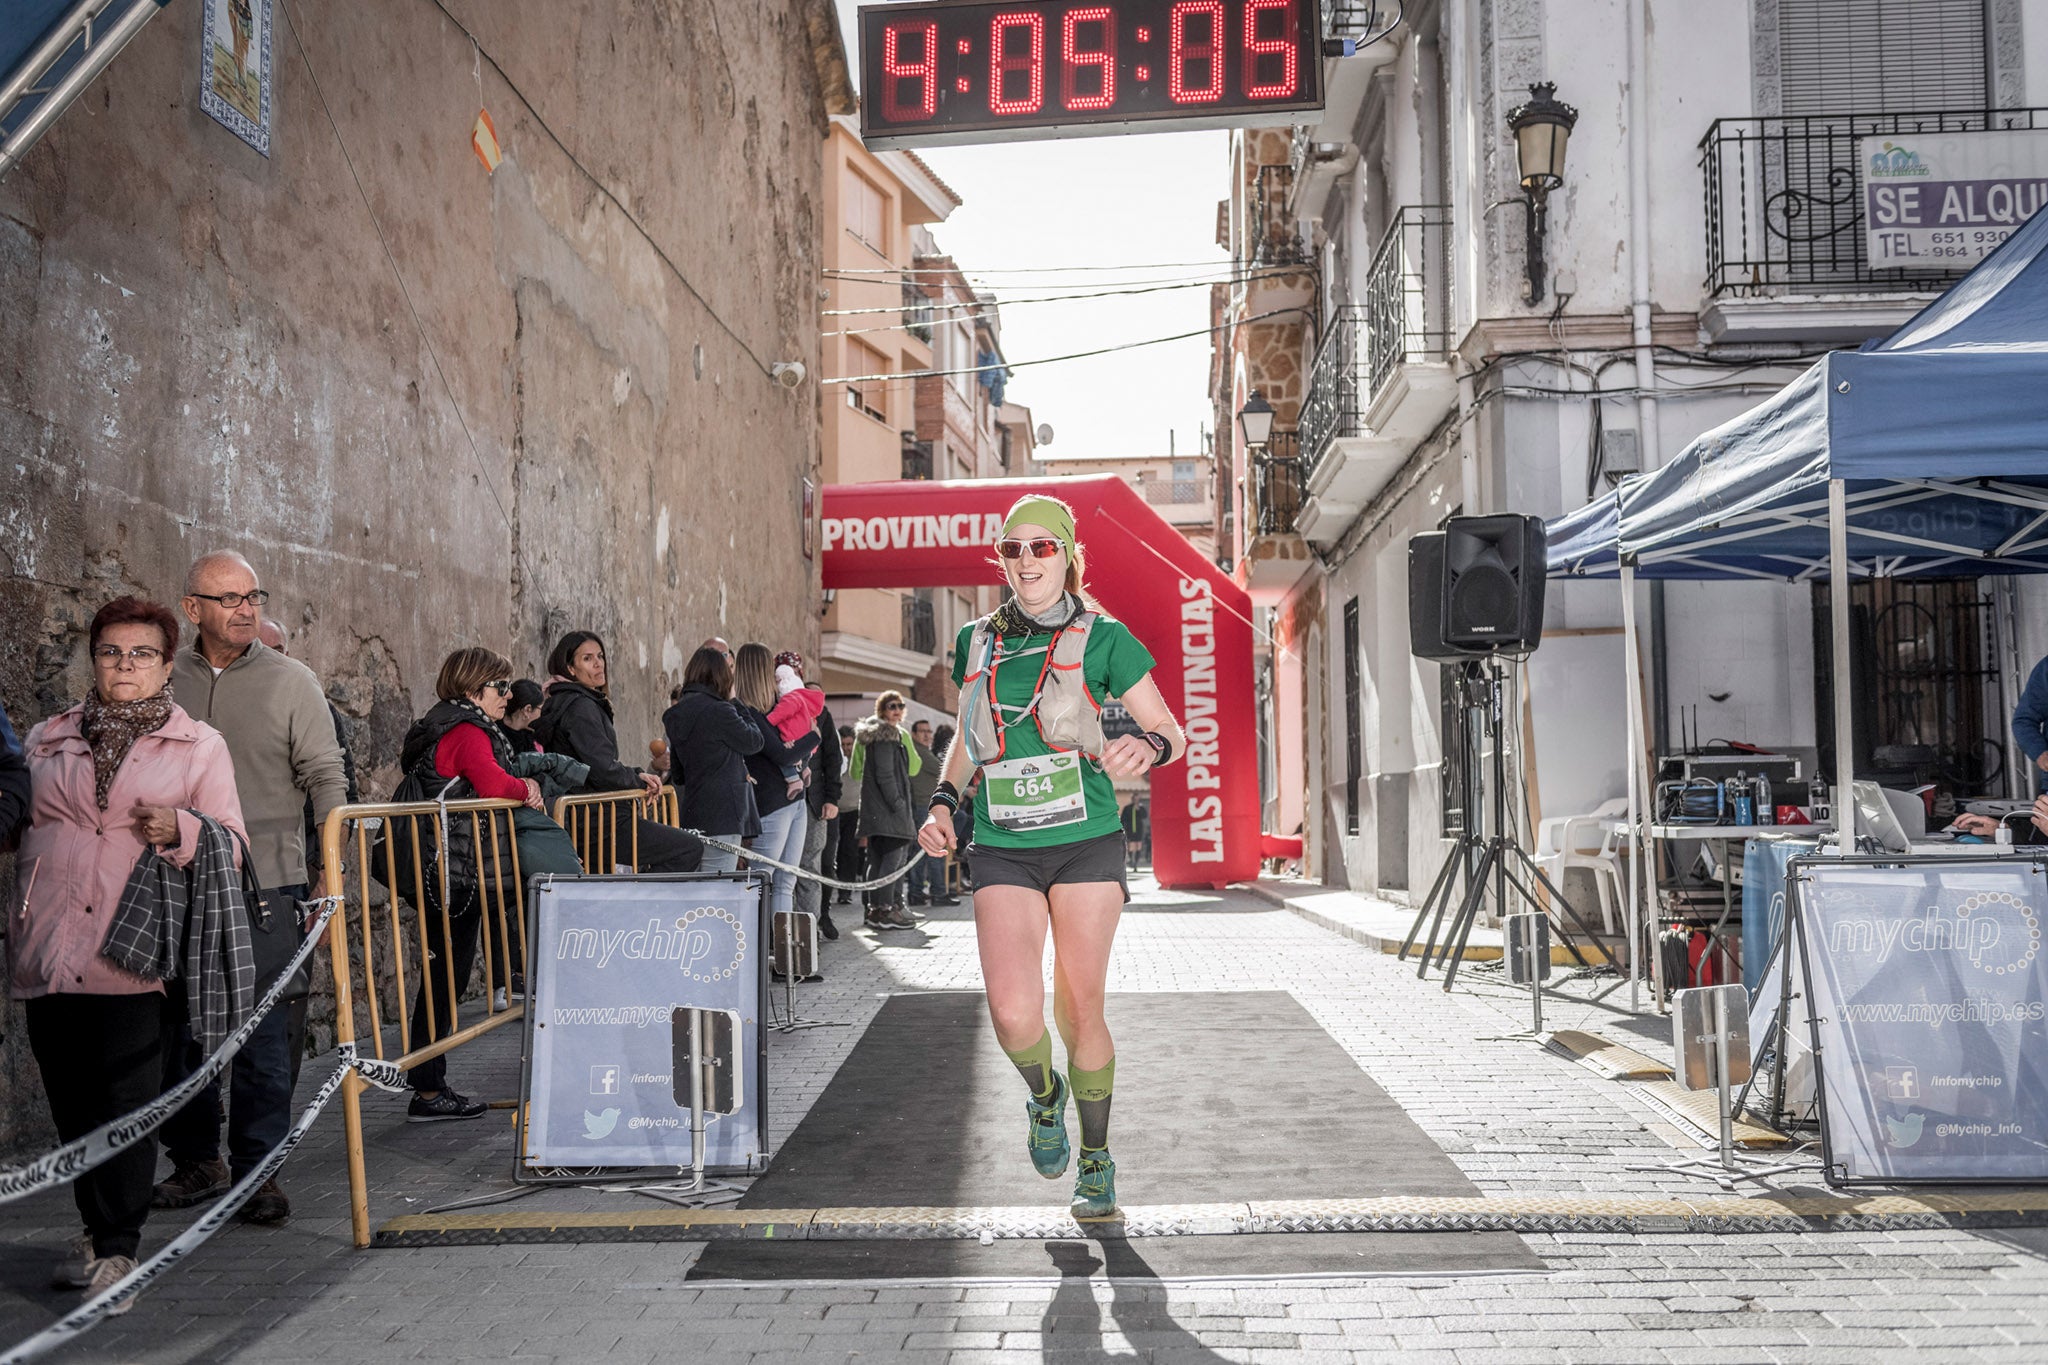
(1514, 1118)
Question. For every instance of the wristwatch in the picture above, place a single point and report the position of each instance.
(1161, 750)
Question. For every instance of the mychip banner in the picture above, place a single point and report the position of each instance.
(1945, 201)
(1928, 992)
(610, 960)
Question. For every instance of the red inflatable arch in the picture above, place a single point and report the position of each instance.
(1196, 622)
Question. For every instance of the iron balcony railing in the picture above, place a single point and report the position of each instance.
(1405, 317)
(1173, 492)
(917, 311)
(1784, 199)
(917, 459)
(1355, 19)
(1276, 486)
(1276, 237)
(920, 626)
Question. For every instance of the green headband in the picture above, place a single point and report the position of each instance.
(1053, 516)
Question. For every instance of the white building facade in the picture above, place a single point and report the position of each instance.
(1705, 243)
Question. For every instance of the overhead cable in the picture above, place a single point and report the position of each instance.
(1060, 359)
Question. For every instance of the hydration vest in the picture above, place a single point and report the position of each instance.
(1066, 713)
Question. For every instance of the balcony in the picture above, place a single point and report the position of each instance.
(1275, 555)
(1786, 259)
(1276, 237)
(917, 459)
(1381, 380)
(1322, 151)
(1276, 486)
(917, 311)
(920, 626)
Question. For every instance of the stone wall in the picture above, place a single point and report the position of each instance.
(435, 406)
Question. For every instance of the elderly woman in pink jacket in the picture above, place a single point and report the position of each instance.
(124, 769)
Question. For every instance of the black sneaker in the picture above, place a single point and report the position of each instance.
(445, 1105)
(827, 927)
(947, 901)
(919, 900)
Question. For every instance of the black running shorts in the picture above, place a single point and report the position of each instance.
(1100, 859)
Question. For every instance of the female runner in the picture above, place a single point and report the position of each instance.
(1048, 844)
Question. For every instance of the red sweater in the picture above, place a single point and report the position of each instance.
(465, 751)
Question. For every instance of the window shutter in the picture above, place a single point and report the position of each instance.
(1881, 56)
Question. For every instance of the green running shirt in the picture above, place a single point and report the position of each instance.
(1113, 663)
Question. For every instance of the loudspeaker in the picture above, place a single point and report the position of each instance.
(1426, 600)
(1493, 576)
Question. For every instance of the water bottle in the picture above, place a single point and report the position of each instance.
(1766, 813)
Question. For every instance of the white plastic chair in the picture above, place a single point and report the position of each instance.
(1592, 843)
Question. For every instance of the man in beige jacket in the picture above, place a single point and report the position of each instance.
(272, 713)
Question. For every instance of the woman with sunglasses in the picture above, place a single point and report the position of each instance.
(1048, 841)
(458, 750)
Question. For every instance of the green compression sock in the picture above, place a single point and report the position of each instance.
(1034, 1063)
(1091, 1101)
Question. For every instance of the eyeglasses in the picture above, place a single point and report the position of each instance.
(502, 686)
(1040, 549)
(233, 601)
(142, 656)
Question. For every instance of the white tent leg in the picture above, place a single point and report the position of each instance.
(1844, 803)
(1639, 847)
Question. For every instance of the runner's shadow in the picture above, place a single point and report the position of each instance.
(1073, 1320)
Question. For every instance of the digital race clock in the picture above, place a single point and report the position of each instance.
(939, 71)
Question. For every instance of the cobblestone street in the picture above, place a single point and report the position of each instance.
(1516, 1119)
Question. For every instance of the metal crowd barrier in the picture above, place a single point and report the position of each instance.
(593, 820)
(358, 854)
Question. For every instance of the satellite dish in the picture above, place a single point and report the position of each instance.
(1044, 433)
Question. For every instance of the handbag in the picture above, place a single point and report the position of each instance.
(277, 927)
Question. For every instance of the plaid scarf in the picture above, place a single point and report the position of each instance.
(111, 729)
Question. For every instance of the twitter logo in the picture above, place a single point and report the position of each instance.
(598, 1127)
(1902, 1132)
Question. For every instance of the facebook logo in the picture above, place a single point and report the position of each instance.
(604, 1080)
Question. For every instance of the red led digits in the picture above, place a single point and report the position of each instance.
(1282, 47)
(1183, 54)
(1075, 61)
(895, 71)
(1001, 64)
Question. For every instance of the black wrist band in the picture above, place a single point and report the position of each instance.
(947, 795)
(1161, 746)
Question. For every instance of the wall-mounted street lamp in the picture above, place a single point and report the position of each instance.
(1542, 127)
(1255, 420)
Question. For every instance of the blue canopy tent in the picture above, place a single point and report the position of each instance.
(1923, 453)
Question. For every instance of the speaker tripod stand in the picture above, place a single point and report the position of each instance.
(1497, 858)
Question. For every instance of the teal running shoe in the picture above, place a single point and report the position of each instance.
(1048, 1136)
(1095, 1188)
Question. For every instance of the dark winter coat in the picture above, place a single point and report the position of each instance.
(883, 754)
(577, 721)
(708, 743)
(544, 847)
(765, 765)
(826, 765)
(14, 784)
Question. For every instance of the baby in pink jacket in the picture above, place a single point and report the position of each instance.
(796, 711)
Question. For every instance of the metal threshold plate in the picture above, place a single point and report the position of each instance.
(1807, 1211)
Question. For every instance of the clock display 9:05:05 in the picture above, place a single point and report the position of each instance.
(978, 71)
